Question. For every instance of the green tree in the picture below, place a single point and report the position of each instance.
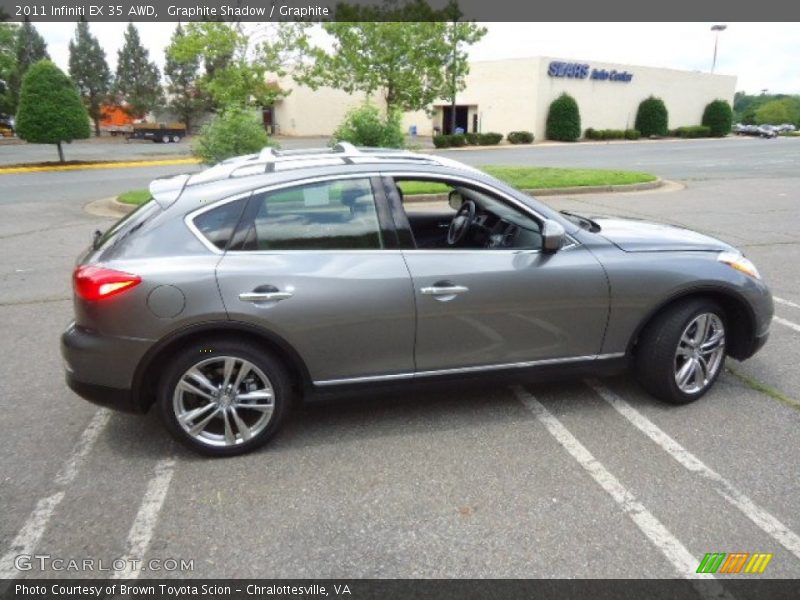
(777, 112)
(399, 51)
(652, 118)
(89, 70)
(50, 108)
(185, 98)
(237, 67)
(718, 116)
(29, 48)
(563, 119)
(233, 132)
(8, 61)
(366, 126)
(138, 80)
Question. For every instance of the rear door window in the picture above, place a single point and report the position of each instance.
(218, 224)
(331, 215)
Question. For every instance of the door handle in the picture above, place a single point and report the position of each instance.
(256, 297)
(443, 290)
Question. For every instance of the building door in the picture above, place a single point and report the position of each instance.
(462, 118)
(267, 116)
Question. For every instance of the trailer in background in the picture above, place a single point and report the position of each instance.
(158, 132)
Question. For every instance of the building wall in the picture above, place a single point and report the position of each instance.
(613, 104)
(515, 94)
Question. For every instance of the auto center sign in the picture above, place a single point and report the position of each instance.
(584, 71)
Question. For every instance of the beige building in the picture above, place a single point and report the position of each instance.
(515, 94)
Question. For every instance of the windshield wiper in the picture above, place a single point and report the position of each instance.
(584, 222)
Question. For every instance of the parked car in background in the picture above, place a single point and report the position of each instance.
(276, 276)
(763, 131)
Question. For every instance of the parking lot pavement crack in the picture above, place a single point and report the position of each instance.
(37, 301)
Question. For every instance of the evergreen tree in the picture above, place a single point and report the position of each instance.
(30, 48)
(138, 80)
(50, 109)
(186, 98)
(718, 116)
(563, 119)
(652, 117)
(89, 71)
(8, 58)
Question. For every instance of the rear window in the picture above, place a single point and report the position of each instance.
(128, 224)
(217, 225)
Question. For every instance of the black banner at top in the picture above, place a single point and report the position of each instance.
(396, 10)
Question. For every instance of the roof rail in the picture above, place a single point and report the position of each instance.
(270, 159)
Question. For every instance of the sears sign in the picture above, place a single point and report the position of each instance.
(582, 71)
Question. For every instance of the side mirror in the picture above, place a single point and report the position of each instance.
(455, 199)
(552, 236)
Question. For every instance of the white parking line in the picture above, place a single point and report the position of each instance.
(763, 519)
(682, 560)
(145, 522)
(787, 323)
(785, 302)
(31, 532)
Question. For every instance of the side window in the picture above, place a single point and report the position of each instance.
(431, 209)
(332, 215)
(218, 224)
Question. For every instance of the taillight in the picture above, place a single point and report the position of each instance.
(99, 283)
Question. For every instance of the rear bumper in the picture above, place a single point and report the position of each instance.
(100, 368)
(115, 398)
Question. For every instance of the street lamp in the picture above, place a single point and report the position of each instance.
(716, 29)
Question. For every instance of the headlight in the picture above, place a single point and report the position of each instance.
(739, 262)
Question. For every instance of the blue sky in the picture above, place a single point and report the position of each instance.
(761, 55)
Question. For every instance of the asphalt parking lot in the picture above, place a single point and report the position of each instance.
(575, 479)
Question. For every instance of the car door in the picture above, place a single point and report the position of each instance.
(317, 263)
(479, 308)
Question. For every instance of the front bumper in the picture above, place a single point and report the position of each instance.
(101, 368)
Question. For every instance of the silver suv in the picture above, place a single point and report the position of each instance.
(280, 275)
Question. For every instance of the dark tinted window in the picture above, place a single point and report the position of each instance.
(218, 224)
(334, 215)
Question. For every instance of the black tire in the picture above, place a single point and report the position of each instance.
(179, 364)
(655, 351)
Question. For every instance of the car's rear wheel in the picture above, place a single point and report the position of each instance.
(682, 351)
(224, 398)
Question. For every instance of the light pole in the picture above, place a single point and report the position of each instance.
(716, 29)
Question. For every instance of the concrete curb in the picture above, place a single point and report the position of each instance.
(100, 165)
(111, 207)
(108, 207)
(571, 191)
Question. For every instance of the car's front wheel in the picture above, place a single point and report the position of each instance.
(224, 398)
(682, 351)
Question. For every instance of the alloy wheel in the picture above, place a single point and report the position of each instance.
(700, 353)
(223, 401)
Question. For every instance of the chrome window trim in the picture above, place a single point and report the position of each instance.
(189, 218)
(466, 370)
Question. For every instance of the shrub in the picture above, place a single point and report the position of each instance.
(457, 140)
(233, 132)
(520, 137)
(693, 131)
(563, 119)
(473, 139)
(50, 110)
(489, 139)
(718, 117)
(441, 141)
(611, 134)
(652, 117)
(366, 126)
